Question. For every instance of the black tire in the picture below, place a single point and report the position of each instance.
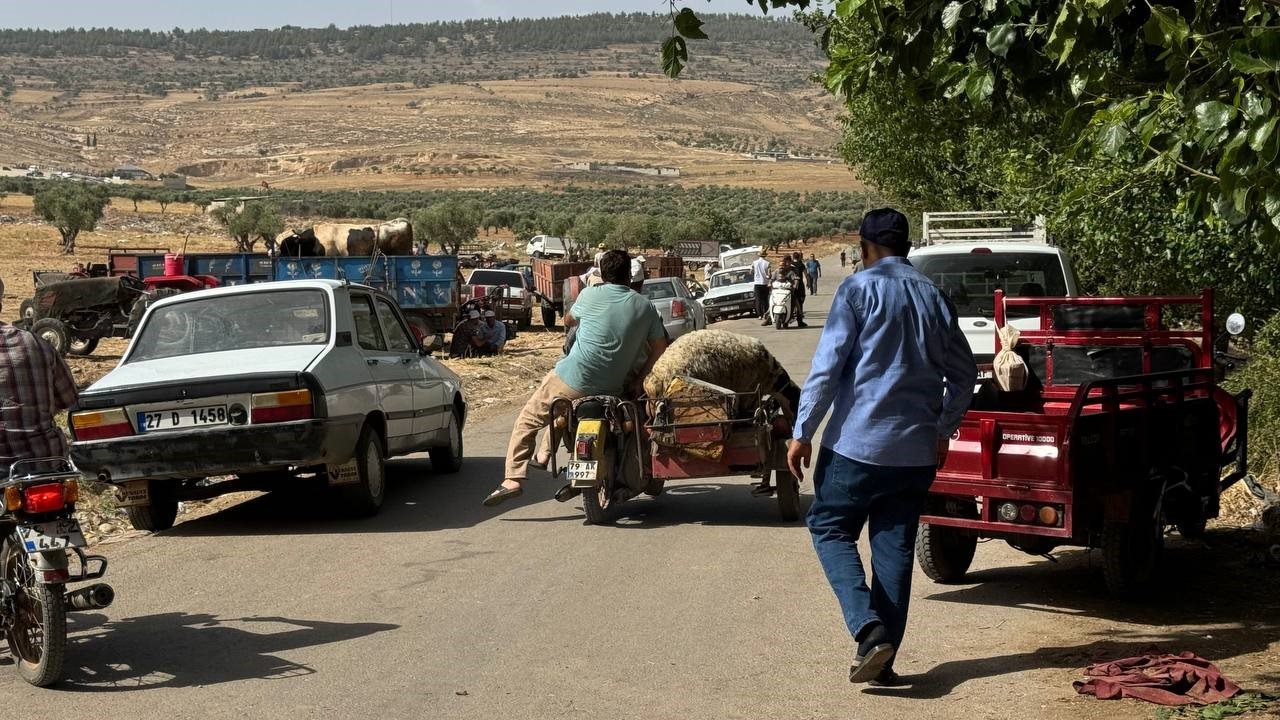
(945, 553)
(599, 506)
(779, 321)
(162, 511)
(1193, 529)
(787, 493)
(526, 322)
(364, 498)
(548, 317)
(448, 459)
(1130, 554)
(82, 346)
(54, 332)
(38, 637)
(27, 310)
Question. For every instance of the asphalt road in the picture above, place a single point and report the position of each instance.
(700, 604)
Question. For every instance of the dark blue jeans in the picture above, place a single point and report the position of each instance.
(848, 495)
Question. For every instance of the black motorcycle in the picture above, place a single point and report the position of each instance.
(40, 537)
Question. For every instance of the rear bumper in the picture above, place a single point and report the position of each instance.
(676, 328)
(226, 451)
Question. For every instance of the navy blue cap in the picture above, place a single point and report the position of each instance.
(885, 226)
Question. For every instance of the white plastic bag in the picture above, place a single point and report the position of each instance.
(1009, 369)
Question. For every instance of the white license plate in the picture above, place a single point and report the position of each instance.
(581, 470)
(182, 418)
(52, 535)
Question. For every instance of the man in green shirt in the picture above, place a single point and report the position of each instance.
(616, 328)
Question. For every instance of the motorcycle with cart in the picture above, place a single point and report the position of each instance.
(40, 536)
(1120, 432)
(621, 448)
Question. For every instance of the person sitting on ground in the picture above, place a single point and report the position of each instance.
(493, 333)
(615, 328)
(35, 385)
(468, 338)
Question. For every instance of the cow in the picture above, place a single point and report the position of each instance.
(395, 237)
(298, 243)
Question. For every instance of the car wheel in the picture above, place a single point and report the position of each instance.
(365, 497)
(448, 459)
(54, 332)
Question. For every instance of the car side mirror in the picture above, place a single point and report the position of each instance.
(697, 294)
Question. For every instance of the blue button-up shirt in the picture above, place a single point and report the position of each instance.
(895, 363)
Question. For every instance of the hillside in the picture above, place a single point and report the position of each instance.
(444, 105)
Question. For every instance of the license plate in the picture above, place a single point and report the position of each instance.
(52, 535)
(581, 470)
(182, 418)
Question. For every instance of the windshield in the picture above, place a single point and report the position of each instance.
(494, 277)
(971, 279)
(659, 290)
(735, 277)
(234, 322)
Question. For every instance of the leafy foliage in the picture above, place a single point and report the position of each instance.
(250, 222)
(71, 208)
(451, 224)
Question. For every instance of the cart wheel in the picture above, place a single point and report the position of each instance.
(1131, 552)
(788, 494)
(945, 553)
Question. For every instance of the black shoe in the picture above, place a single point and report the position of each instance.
(874, 653)
(888, 679)
(801, 323)
(567, 493)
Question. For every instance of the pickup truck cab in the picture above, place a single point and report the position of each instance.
(267, 382)
(509, 292)
(546, 246)
(970, 255)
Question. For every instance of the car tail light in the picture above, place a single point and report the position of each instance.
(677, 308)
(1027, 513)
(71, 492)
(101, 424)
(12, 499)
(1049, 515)
(981, 251)
(586, 447)
(44, 498)
(284, 406)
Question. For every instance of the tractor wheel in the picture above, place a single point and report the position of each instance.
(54, 332)
(27, 310)
(82, 346)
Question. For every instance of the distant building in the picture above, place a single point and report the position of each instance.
(132, 172)
(174, 182)
(636, 169)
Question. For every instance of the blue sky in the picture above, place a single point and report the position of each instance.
(247, 14)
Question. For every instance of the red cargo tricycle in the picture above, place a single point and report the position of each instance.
(619, 448)
(1121, 431)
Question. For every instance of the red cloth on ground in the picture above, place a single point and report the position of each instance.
(1181, 679)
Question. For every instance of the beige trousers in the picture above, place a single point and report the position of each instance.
(530, 422)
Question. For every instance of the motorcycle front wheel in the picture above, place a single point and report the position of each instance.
(38, 633)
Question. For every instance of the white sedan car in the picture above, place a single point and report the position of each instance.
(267, 382)
(732, 294)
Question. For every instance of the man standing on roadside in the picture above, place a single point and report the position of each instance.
(897, 372)
(760, 272)
(843, 258)
(813, 271)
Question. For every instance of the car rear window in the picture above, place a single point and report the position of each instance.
(494, 277)
(233, 322)
(659, 290)
(971, 279)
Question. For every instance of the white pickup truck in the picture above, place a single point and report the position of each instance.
(969, 255)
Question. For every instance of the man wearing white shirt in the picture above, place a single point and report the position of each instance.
(760, 269)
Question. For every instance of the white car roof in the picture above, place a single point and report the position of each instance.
(997, 248)
(326, 285)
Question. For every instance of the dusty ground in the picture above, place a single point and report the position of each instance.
(452, 136)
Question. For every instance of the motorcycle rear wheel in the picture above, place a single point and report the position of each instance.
(38, 635)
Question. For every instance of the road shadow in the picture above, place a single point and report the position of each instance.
(176, 650)
(698, 503)
(417, 498)
(1227, 599)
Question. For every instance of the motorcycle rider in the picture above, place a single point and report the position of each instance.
(35, 385)
(614, 327)
(791, 274)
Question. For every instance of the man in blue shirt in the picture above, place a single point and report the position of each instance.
(813, 271)
(619, 338)
(897, 373)
(494, 333)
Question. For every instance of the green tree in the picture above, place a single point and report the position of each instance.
(164, 199)
(71, 208)
(721, 228)
(135, 195)
(592, 229)
(451, 224)
(632, 230)
(249, 222)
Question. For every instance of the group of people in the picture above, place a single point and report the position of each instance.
(893, 369)
(478, 335)
(802, 275)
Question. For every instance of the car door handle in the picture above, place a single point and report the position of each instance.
(372, 361)
(406, 360)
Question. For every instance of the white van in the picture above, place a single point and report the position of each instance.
(969, 255)
(545, 246)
